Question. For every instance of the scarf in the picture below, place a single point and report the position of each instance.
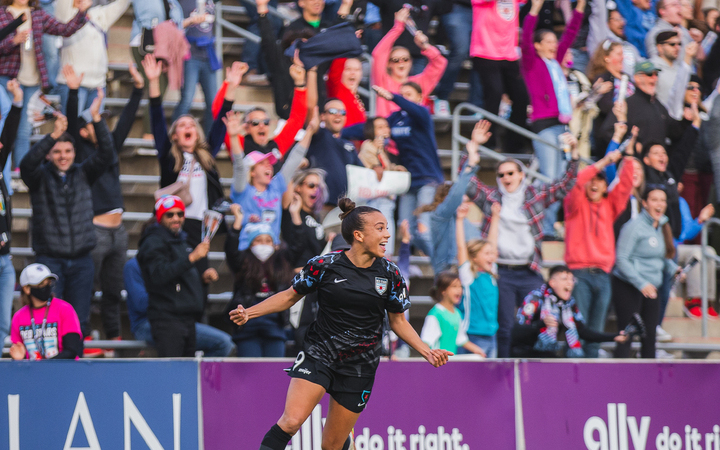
(562, 311)
(561, 90)
(207, 43)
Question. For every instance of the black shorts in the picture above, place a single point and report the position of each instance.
(350, 392)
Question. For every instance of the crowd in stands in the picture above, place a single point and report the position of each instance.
(619, 96)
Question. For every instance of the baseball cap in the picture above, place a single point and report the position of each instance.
(646, 67)
(35, 274)
(166, 203)
(255, 157)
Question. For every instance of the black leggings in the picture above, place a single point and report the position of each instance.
(628, 300)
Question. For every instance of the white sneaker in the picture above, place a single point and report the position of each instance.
(442, 108)
(662, 335)
(662, 354)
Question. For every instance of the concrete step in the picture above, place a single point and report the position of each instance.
(685, 328)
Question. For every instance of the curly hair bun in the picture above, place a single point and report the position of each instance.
(346, 206)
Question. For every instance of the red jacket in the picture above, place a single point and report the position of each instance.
(335, 89)
(286, 137)
(589, 235)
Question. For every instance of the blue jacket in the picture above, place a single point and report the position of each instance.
(639, 22)
(137, 296)
(413, 131)
(690, 227)
(147, 10)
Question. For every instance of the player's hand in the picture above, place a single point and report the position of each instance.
(17, 351)
(438, 357)
(239, 316)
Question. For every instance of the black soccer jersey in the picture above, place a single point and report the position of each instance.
(347, 334)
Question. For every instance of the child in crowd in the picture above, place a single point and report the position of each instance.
(475, 261)
(45, 327)
(441, 329)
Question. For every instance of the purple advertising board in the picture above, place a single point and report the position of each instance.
(621, 406)
(413, 406)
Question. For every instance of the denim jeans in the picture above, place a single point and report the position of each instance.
(85, 98)
(458, 27)
(592, 293)
(74, 284)
(386, 205)
(212, 342)
(7, 288)
(22, 142)
(197, 71)
(50, 49)
(487, 343)
(580, 59)
(513, 286)
(251, 50)
(663, 294)
(409, 202)
(109, 256)
(552, 165)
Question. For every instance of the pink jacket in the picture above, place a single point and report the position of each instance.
(427, 80)
(589, 235)
(172, 46)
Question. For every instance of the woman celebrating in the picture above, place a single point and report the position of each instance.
(342, 347)
(261, 270)
(184, 154)
(302, 203)
(641, 260)
(45, 327)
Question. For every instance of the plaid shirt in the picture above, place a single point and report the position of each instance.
(42, 23)
(536, 200)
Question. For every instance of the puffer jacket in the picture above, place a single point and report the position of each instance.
(62, 206)
(173, 283)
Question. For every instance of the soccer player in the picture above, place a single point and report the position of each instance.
(342, 347)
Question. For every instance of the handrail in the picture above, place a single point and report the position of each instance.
(458, 139)
(703, 267)
(499, 121)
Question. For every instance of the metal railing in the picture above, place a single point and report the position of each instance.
(458, 139)
(704, 268)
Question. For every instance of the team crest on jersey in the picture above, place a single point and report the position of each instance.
(381, 285)
(506, 9)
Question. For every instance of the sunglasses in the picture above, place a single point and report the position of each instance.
(311, 185)
(171, 214)
(255, 123)
(336, 112)
(397, 60)
(502, 175)
(691, 87)
(672, 44)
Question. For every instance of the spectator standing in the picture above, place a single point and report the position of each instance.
(608, 25)
(302, 204)
(674, 73)
(86, 50)
(475, 266)
(254, 186)
(442, 328)
(392, 64)
(7, 271)
(330, 152)
(172, 279)
(590, 212)
(641, 16)
(21, 55)
(253, 53)
(257, 122)
(110, 253)
(203, 63)
(551, 312)
(413, 131)
(669, 18)
(343, 81)
(520, 233)
(261, 270)
(493, 48)
(45, 327)
(63, 234)
(208, 339)
(642, 259)
(549, 95)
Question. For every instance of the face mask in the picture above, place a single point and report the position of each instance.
(43, 294)
(262, 251)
